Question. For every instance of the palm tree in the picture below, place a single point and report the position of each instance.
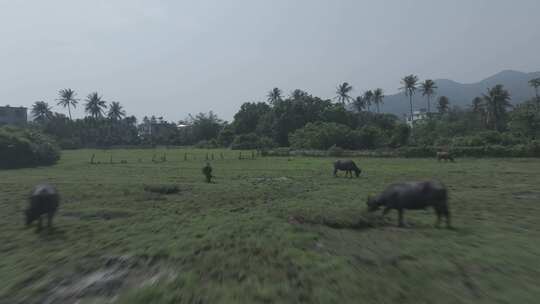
(477, 105)
(535, 83)
(497, 100)
(41, 111)
(428, 89)
(409, 84)
(443, 104)
(343, 91)
(368, 98)
(95, 106)
(378, 96)
(116, 111)
(359, 103)
(478, 108)
(67, 99)
(274, 95)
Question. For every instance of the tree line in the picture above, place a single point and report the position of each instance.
(299, 120)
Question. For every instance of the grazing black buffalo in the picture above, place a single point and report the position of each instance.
(348, 166)
(43, 200)
(444, 156)
(413, 195)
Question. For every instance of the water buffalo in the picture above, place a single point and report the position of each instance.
(348, 166)
(43, 200)
(444, 156)
(413, 195)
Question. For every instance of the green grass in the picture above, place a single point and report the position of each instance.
(236, 241)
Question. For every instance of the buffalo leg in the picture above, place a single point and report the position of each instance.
(335, 172)
(39, 224)
(400, 218)
(438, 212)
(49, 219)
(443, 211)
(447, 216)
(386, 210)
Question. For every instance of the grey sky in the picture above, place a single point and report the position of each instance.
(171, 58)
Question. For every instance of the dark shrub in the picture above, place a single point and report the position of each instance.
(225, 137)
(26, 148)
(283, 151)
(400, 136)
(266, 143)
(366, 138)
(69, 143)
(529, 150)
(245, 142)
(207, 144)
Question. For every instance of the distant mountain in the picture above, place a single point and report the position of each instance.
(461, 94)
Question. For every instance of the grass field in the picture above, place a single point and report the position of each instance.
(269, 230)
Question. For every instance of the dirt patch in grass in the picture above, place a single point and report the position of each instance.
(527, 195)
(162, 189)
(467, 280)
(104, 284)
(262, 180)
(361, 223)
(96, 215)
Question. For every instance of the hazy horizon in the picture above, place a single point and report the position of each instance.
(170, 59)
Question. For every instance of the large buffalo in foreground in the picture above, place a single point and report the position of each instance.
(44, 200)
(413, 195)
(348, 166)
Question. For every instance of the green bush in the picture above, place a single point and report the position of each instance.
(320, 136)
(488, 138)
(366, 138)
(26, 148)
(324, 135)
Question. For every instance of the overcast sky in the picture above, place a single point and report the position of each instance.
(170, 58)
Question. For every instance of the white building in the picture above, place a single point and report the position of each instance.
(417, 116)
